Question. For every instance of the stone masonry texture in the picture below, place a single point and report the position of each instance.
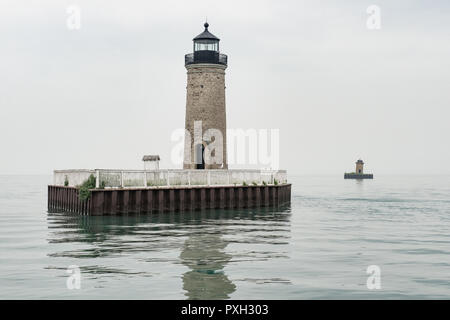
(205, 102)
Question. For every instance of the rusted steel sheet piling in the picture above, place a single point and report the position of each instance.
(161, 199)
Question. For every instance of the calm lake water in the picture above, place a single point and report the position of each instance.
(319, 247)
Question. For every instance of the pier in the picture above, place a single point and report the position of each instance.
(358, 176)
(135, 191)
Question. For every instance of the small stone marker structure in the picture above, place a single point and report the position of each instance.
(151, 162)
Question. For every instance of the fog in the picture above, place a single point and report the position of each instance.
(105, 94)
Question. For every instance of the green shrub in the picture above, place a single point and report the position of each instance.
(264, 183)
(275, 182)
(66, 182)
(84, 192)
(254, 183)
(244, 183)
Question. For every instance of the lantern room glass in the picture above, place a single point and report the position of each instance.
(206, 45)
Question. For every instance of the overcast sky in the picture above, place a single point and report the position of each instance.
(114, 90)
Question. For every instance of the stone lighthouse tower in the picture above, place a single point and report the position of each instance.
(205, 144)
(359, 167)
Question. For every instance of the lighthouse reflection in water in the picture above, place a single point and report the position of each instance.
(193, 255)
(205, 255)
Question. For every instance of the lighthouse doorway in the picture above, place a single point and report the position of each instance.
(200, 156)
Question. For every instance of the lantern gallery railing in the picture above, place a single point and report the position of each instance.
(206, 57)
(106, 178)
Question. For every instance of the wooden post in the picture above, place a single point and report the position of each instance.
(192, 200)
(138, 201)
(240, 197)
(258, 197)
(98, 201)
(202, 198)
(113, 202)
(212, 198)
(149, 201)
(171, 200)
(222, 198)
(249, 196)
(181, 193)
(231, 202)
(126, 200)
(160, 200)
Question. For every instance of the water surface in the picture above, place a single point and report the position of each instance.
(318, 247)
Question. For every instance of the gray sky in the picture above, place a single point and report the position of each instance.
(104, 95)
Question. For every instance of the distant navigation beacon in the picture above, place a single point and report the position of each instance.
(359, 172)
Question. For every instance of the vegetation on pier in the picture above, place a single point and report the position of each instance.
(84, 190)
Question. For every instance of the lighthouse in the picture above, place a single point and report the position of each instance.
(205, 181)
(359, 167)
(205, 123)
(359, 172)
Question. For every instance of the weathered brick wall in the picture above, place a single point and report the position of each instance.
(205, 101)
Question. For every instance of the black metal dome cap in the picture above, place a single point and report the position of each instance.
(206, 35)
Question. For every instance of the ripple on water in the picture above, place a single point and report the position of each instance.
(319, 247)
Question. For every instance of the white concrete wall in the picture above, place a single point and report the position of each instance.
(150, 178)
(151, 165)
(75, 177)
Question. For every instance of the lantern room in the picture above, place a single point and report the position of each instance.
(206, 49)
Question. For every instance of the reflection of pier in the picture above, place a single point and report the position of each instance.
(204, 255)
(159, 242)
